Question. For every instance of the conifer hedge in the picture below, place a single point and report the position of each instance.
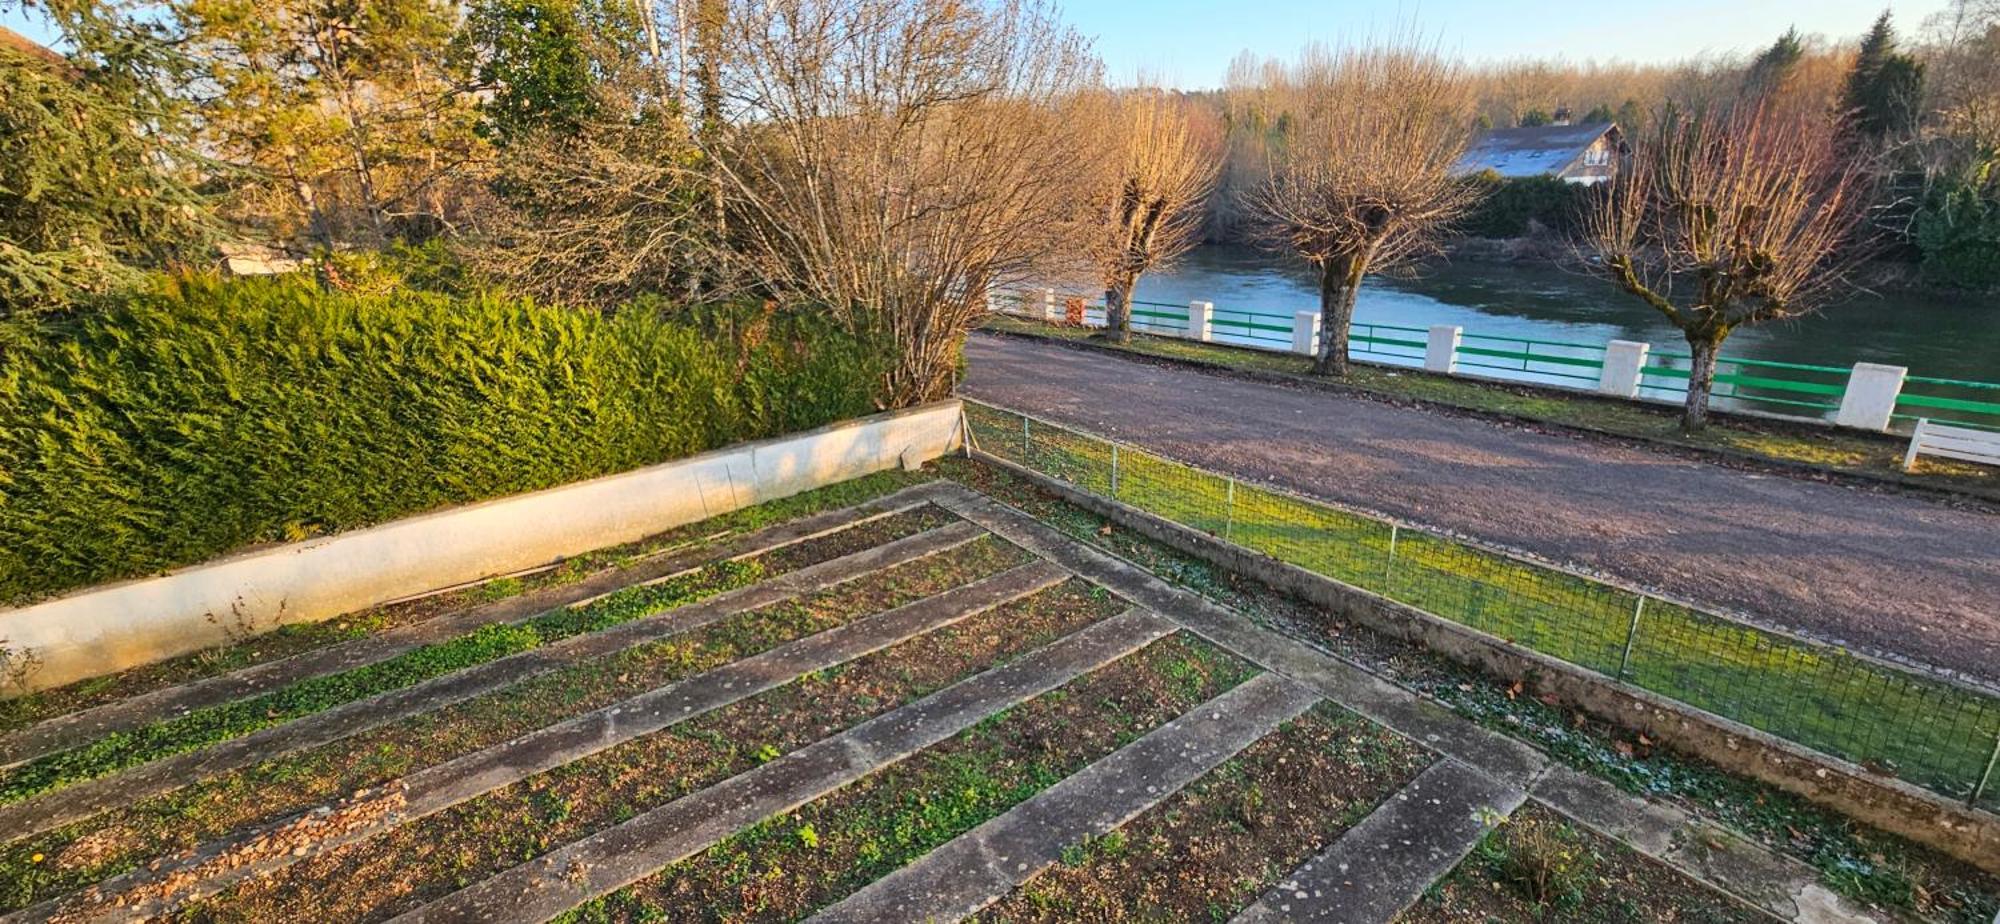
(199, 416)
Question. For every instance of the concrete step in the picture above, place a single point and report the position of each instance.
(269, 848)
(984, 864)
(604, 862)
(1382, 865)
(81, 727)
(82, 800)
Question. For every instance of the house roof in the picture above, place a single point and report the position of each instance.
(1534, 151)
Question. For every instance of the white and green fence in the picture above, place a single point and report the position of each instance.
(1867, 396)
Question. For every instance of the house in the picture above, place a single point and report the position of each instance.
(1574, 153)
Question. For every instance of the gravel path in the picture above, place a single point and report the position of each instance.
(1879, 569)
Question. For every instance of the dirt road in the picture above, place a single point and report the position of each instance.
(1880, 569)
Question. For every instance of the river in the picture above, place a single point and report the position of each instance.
(1938, 336)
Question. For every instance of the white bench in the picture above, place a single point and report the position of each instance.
(1952, 443)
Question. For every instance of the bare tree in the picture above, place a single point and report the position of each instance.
(1728, 218)
(1152, 200)
(1365, 182)
(891, 159)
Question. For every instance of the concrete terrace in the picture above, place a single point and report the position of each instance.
(926, 707)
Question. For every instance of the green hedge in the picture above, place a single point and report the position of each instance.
(1510, 208)
(170, 426)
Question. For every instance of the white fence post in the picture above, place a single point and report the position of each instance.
(1200, 316)
(1049, 306)
(1441, 348)
(1305, 332)
(1624, 360)
(1870, 398)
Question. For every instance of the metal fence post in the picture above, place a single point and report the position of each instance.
(1229, 510)
(1631, 635)
(1389, 567)
(1114, 471)
(1979, 789)
(1024, 440)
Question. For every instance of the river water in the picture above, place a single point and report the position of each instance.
(1943, 337)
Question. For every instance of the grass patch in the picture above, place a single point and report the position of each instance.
(1931, 733)
(118, 841)
(1890, 873)
(1536, 867)
(1832, 450)
(790, 865)
(285, 641)
(1212, 848)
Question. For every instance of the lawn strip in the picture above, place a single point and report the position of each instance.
(1385, 862)
(77, 728)
(1884, 871)
(880, 491)
(113, 843)
(431, 858)
(1356, 689)
(616, 857)
(1210, 849)
(616, 623)
(794, 862)
(1537, 867)
(436, 788)
(978, 867)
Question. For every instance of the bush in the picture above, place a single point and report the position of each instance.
(1511, 208)
(1958, 231)
(197, 416)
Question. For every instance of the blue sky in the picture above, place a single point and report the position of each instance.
(1188, 43)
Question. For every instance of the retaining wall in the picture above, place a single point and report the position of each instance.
(118, 626)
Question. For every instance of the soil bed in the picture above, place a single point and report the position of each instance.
(429, 858)
(114, 842)
(1212, 848)
(788, 866)
(1536, 868)
(298, 638)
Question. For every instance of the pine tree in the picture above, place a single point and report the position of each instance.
(1768, 72)
(1884, 91)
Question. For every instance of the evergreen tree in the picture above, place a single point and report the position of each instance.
(1768, 72)
(1883, 93)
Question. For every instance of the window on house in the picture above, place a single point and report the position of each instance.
(1596, 157)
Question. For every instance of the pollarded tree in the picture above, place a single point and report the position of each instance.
(1154, 194)
(1366, 183)
(1726, 219)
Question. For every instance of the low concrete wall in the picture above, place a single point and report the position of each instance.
(1970, 834)
(105, 629)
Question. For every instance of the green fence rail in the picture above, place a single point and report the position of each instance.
(1792, 389)
(1932, 731)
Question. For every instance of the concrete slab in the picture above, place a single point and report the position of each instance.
(74, 803)
(991, 860)
(1386, 862)
(612, 858)
(81, 727)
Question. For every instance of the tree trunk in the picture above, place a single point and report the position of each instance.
(1701, 380)
(1339, 283)
(1118, 312)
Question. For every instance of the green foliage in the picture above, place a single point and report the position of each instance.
(1884, 93)
(534, 56)
(194, 417)
(1546, 863)
(1958, 230)
(1599, 113)
(1513, 207)
(1774, 64)
(88, 199)
(119, 750)
(1534, 118)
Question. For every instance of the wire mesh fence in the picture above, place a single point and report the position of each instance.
(1928, 730)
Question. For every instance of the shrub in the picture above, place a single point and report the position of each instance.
(1958, 230)
(1512, 207)
(191, 418)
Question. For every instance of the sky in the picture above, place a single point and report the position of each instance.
(1188, 43)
